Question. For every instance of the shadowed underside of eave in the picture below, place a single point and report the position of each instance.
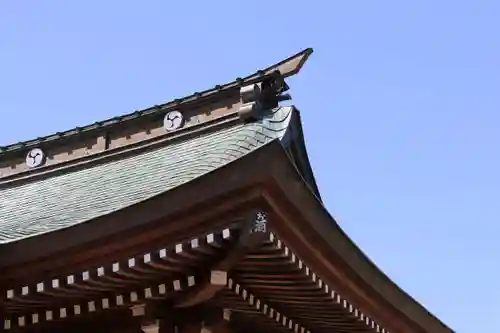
(313, 289)
(270, 285)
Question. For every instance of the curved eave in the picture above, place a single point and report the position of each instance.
(302, 221)
(287, 67)
(315, 235)
(302, 158)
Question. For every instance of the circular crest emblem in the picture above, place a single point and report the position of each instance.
(35, 158)
(173, 120)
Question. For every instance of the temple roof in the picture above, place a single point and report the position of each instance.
(220, 150)
(79, 194)
(287, 67)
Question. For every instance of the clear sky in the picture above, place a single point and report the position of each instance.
(400, 104)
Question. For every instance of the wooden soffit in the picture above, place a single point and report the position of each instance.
(268, 178)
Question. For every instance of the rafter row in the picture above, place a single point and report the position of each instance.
(265, 309)
(158, 291)
(154, 292)
(117, 274)
(325, 288)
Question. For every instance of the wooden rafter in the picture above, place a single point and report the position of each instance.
(250, 236)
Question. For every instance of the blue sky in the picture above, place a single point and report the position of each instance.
(400, 104)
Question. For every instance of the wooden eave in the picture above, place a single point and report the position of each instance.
(264, 178)
(302, 162)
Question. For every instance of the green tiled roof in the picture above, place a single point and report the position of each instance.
(71, 198)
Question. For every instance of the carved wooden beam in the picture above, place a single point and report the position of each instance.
(252, 235)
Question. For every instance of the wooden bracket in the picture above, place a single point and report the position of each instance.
(253, 234)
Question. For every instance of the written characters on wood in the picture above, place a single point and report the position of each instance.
(259, 222)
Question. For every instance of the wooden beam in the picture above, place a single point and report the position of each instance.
(110, 321)
(253, 233)
(162, 317)
(220, 325)
(154, 317)
(203, 319)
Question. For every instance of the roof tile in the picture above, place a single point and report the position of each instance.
(64, 200)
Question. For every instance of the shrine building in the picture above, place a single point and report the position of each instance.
(198, 215)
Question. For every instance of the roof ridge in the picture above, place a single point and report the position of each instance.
(107, 156)
(287, 67)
